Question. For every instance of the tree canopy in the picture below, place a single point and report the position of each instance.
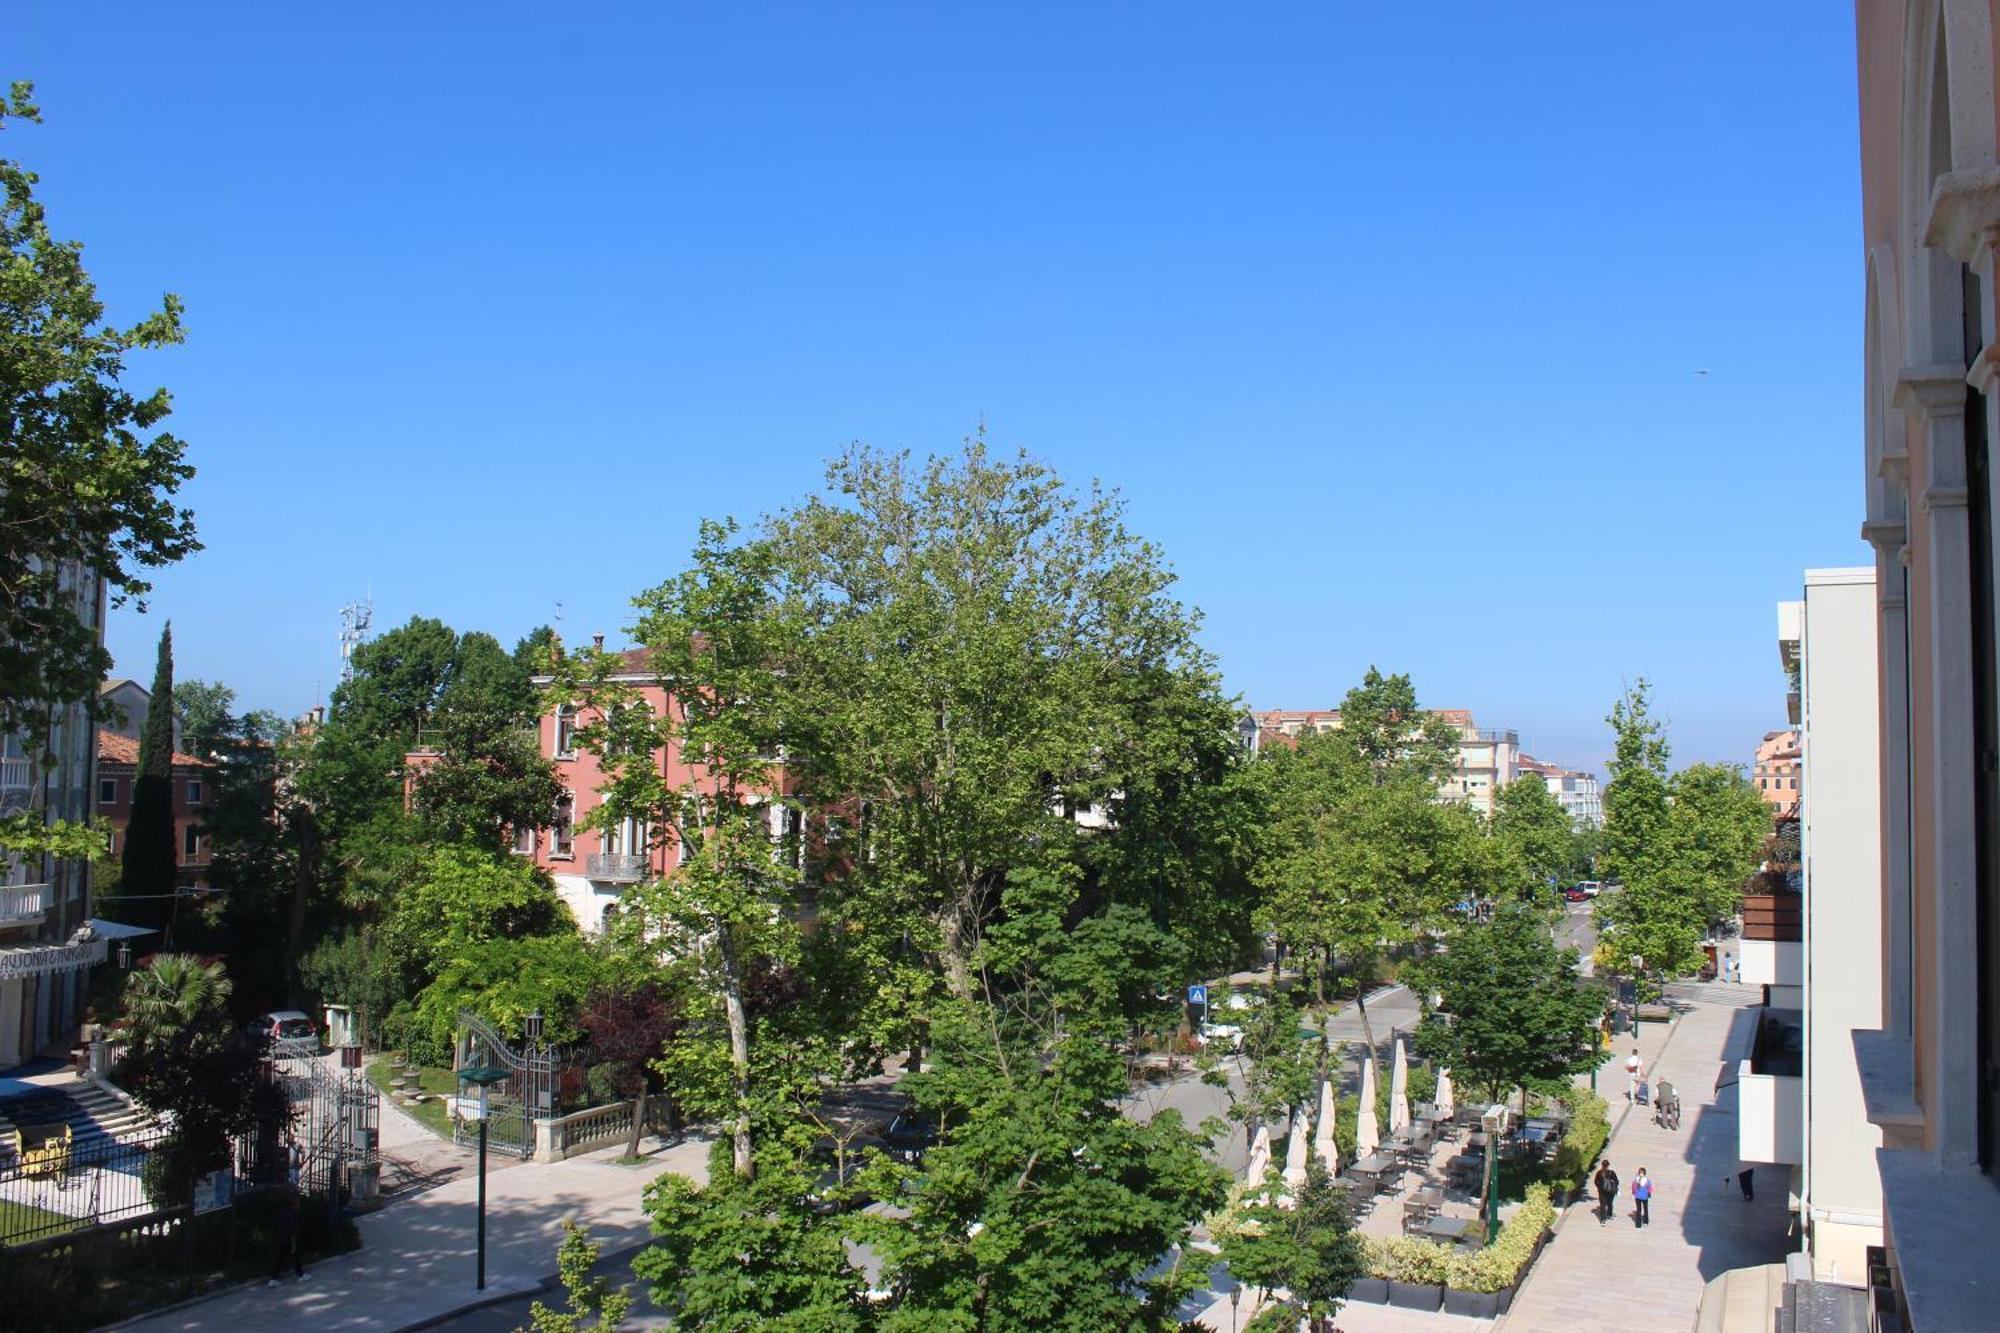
(87, 480)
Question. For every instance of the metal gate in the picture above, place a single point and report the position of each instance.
(337, 1118)
(514, 1104)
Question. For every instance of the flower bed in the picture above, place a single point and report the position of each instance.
(1423, 1273)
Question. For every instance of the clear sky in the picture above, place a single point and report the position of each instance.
(1385, 318)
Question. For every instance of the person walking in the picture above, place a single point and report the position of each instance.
(287, 1222)
(1635, 1071)
(1606, 1181)
(1642, 1198)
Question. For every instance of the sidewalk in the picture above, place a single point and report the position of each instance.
(1616, 1276)
(416, 1260)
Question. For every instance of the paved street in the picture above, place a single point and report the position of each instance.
(1614, 1276)
(417, 1257)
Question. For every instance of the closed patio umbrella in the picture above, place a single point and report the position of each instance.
(1444, 1104)
(1367, 1134)
(1295, 1154)
(1260, 1157)
(1324, 1142)
(1399, 1091)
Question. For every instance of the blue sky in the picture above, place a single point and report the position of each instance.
(1385, 319)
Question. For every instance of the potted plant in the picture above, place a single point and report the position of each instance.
(1416, 1271)
(1482, 1284)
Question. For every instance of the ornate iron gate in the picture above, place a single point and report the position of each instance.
(514, 1104)
(337, 1118)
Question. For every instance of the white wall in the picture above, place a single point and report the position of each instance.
(1769, 1117)
(1841, 851)
(1772, 962)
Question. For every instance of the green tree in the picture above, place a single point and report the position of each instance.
(1309, 1247)
(1381, 719)
(1651, 917)
(594, 1302)
(503, 980)
(1512, 1014)
(150, 881)
(172, 996)
(1720, 825)
(983, 636)
(718, 634)
(206, 710)
(87, 479)
(464, 896)
(1536, 832)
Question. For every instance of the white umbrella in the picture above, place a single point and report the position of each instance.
(1295, 1154)
(1399, 1091)
(1323, 1141)
(1444, 1092)
(1367, 1137)
(1260, 1157)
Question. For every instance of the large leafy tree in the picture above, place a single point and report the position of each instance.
(1512, 1014)
(716, 632)
(1306, 1245)
(1684, 845)
(987, 647)
(1536, 832)
(1360, 856)
(1043, 1206)
(150, 880)
(87, 478)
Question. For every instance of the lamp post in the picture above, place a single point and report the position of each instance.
(1494, 1122)
(482, 1077)
(1638, 980)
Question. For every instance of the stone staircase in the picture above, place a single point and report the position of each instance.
(93, 1115)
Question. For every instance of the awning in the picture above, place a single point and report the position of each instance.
(118, 930)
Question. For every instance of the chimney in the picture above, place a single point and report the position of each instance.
(597, 643)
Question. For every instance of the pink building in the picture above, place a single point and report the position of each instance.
(1776, 773)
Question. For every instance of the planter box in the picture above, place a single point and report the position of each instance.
(1369, 1291)
(1478, 1304)
(1415, 1295)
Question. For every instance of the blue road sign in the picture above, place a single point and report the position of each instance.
(1197, 995)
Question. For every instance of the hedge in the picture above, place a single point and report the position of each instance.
(1495, 1268)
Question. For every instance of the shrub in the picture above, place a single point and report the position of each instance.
(1589, 1129)
(1500, 1264)
(1407, 1259)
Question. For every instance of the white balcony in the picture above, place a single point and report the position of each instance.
(1770, 1117)
(41, 960)
(23, 904)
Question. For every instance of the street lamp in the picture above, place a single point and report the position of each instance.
(1494, 1122)
(482, 1077)
(1638, 979)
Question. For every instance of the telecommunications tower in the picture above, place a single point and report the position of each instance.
(355, 618)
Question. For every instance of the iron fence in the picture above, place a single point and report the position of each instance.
(60, 1186)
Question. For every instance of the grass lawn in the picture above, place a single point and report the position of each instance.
(24, 1222)
(437, 1082)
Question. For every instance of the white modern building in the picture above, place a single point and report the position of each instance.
(1577, 793)
(1800, 1101)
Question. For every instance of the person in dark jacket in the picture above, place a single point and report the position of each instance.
(1606, 1181)
(287, 1222)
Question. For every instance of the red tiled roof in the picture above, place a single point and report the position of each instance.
(115, 749)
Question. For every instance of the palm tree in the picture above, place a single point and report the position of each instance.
(173, 995)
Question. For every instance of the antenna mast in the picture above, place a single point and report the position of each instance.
(355, 619)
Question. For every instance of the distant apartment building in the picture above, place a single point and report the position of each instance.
(1775, 774)
(1577, 793)
(48, 943)
(193, 791)
(1487, 759)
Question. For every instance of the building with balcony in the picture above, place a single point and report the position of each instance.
(48, 942)
(193, 789)
(1930, 1066)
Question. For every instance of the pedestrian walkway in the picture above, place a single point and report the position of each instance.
(417, 1256)
(1617, 1276)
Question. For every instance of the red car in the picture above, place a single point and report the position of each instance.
(1576, 895)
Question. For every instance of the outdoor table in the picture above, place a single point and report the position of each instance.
(1446, 1228)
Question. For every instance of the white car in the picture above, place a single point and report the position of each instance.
(290, 1033)
(1228, 1034)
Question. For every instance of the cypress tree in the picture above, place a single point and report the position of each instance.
(150, 874)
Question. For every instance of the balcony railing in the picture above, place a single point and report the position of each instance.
(40, 960)
(1772, 916)
(18, 773)
(23, 904)
(615, 867)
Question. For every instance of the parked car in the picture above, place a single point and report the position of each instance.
(289, 1032)
(1226, 1034)
(833, 1189)
(908, 1135)
(1576, 894)
(1589, 888)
